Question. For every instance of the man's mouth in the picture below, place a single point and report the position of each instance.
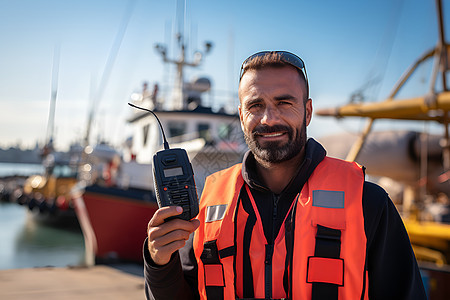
(272, 136)
(276, 133)
(269, 135)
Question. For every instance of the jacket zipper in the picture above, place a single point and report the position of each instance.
(269, 252)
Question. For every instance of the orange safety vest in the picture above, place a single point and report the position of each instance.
(325, 250)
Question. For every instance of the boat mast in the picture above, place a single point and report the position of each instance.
(179, 101)
(441, 49)
(48, 147)
(442, 66)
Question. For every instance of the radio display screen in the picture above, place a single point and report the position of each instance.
(173, 172)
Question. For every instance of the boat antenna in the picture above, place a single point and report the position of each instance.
(166, 144)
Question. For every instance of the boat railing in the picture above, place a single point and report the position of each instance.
(183, 138)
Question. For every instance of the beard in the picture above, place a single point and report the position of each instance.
(272, 152)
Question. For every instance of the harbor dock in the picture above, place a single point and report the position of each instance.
(98, 282)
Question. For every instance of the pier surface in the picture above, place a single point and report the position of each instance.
(99, 282)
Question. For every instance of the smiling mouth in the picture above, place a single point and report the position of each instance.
(272, 134)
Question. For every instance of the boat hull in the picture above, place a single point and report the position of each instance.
(119, 220)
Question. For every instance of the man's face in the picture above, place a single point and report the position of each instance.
(273, 113)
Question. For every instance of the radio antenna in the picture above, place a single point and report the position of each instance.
(166, 144)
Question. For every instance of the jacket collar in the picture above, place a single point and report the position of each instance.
(314, 154)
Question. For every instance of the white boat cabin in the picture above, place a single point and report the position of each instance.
(189, 129)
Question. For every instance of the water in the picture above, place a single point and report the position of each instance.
(27, 244)
(7, 169)
(24, 243)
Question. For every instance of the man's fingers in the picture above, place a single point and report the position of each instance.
(159, 238)
(172, 236)
(164, 238)
(195, 223)
(163, 213)
(155, 232)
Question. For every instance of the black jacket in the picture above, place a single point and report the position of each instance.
(393, 270)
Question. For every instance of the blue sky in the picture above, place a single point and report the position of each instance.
(344, 44)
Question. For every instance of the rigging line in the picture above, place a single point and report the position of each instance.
(168, 33)
(381, 61)
(391, 44)
(230, 69)
(54, 94)
(109, 64)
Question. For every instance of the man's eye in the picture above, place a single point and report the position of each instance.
(256, 105)
(284, 103)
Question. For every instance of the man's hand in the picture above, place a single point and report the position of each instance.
(166, 238)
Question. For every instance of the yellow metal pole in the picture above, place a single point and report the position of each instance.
(357, 146)
(446, 147)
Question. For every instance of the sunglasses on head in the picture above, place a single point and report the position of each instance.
(285, 56)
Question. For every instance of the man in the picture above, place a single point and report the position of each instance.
(289, 222)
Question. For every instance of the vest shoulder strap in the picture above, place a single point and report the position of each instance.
(325, 269)
(216, 213)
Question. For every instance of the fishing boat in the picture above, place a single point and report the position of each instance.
(117, 208)
(47, 195)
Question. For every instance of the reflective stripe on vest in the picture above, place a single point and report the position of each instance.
(330, 199)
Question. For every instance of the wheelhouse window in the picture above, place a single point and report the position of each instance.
(203, 131)
(67, 171)
(177, 128)
(145, 130)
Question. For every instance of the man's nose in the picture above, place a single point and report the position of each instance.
(270, 116)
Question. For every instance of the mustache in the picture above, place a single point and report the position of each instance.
(270, 129)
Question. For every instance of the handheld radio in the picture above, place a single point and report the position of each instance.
(173, 178)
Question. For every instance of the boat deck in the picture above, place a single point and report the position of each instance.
(98, 282)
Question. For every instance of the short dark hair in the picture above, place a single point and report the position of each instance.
(272, 59)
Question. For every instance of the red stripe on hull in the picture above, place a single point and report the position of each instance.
(120, 225)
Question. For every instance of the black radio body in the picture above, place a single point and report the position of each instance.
(174, 182)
